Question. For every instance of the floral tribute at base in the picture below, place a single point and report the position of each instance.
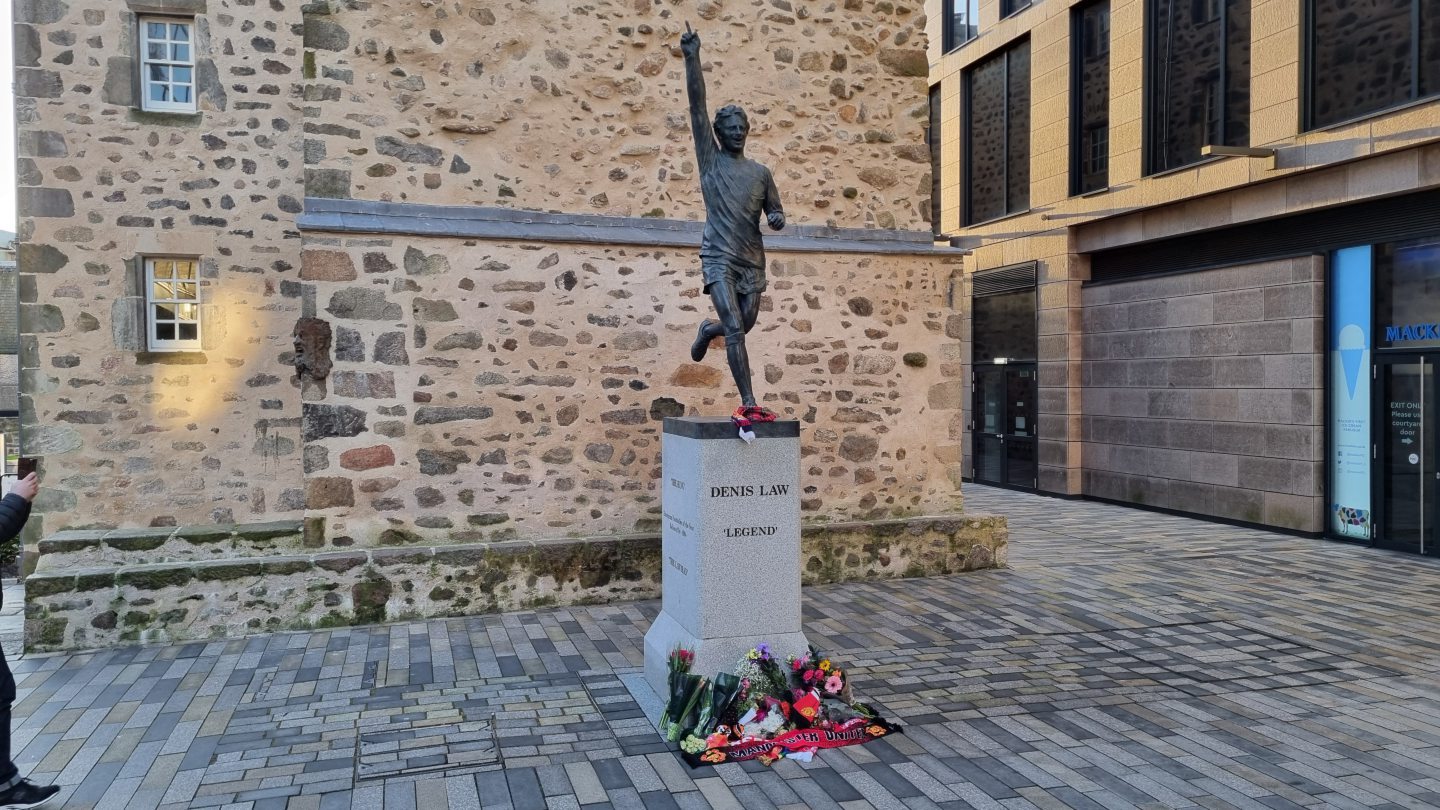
(766, 709)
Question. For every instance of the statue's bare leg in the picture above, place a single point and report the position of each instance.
(737, 313)
(709, 330)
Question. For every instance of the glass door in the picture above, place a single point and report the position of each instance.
(1407, 477)
(1003, 430)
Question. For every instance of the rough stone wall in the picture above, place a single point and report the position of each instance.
(485, 391)
(550, 105)
(1203, 392)
(9, 315)
(130, 438)
(207, 582)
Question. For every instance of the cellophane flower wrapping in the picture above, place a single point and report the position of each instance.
(682, 685)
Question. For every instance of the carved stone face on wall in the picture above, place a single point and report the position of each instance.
(312, 351)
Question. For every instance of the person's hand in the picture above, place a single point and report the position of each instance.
(27, 487)
(776, 220)
(689, 42)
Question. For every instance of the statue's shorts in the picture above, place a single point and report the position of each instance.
(743, 278)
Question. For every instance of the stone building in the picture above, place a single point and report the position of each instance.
(347, 311)
(1214, 291)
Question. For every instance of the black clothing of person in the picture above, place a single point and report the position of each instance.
(15, 510)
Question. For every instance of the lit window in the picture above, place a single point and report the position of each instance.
(167, 65)
(173, 308)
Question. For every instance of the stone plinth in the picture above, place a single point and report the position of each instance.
(730, 538)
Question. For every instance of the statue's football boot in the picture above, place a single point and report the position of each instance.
(701, 344)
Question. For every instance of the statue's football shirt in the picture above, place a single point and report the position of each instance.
(735, 190)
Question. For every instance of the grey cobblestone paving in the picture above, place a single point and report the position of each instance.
(1125, 660)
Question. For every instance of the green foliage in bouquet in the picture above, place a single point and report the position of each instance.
(690, 715)
(680, 682)
(723, 691)
(681, 688)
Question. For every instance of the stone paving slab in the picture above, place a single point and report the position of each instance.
(1125, 660)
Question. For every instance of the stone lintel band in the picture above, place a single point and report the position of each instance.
(479, 222)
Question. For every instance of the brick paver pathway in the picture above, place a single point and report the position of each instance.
(1126, 659)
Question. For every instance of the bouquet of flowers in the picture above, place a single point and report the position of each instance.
(763, 671)
(723, 691)
(687, 716)
(681, 684)
(769, 709)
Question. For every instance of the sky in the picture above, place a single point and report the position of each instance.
(7, 128)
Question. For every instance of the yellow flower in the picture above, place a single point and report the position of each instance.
(825, 665)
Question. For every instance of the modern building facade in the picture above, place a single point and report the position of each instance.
(1205, 237)
(338, 311)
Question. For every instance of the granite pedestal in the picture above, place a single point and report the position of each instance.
(731, 544)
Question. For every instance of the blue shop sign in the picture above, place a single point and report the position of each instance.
(1418, 331)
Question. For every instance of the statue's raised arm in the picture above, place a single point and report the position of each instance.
(705, 146)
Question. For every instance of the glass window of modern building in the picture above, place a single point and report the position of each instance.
(1090, 98)
(1008, 7)
(933, 140)
(997, 135)
(961, 23)
(1369, 55)
(1197, 79)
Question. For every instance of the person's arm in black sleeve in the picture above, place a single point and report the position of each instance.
(14, 511)
(15, 507)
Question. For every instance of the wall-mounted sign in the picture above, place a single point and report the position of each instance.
(1350, 335)
(1417, 331)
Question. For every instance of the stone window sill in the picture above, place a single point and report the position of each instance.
(193, 357)
(163, 119)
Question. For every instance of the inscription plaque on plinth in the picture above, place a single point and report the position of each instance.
(731, 545)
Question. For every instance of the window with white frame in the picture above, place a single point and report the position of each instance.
(167, 64)
(173, 307)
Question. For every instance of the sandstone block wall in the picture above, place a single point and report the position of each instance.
(488, 391)
(1203, 392)
(551, 105)
(130, 438)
